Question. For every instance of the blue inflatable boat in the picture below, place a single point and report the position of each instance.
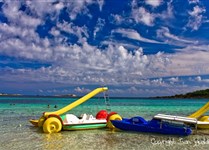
(139, 124)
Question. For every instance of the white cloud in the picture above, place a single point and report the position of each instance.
(167, 14)
(157, 81)
(193, 1)
(115, 64)
(198, 47)
(164, 34)
(174, 79)
(141, 15)
(80, 32)
(59, 6)
(23, 42)
(89, 64)
(132, 34)
(116, 42)
(41, 9)
(205, 80)
(81, 90)
(14, 31)
(16, 17)
(198, 78)
(77, 7)
(81, 7)
(188, 63)
(196, 17)
(148, 17)
(154, 3)
(101, 3)
(196, 11)
(99, 26)
(55, 32)
(117, 19)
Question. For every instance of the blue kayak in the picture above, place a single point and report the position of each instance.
(139, 124)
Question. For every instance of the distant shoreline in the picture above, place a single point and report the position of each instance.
(158, 97)
(200, 94)
(71, 97)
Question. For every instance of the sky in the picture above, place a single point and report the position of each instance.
(137, 48)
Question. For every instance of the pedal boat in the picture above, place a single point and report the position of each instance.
(139, 124)
(53, 122)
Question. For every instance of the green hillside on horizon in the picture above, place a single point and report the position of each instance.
(195, 94)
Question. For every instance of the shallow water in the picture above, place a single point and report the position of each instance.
(17, 133)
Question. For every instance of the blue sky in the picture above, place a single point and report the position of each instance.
(136, 48)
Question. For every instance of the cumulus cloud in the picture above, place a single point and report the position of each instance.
(81, 90)
(199, 79)
(154, 3)
(117, 19)
(158, 81)
(19, 18)
(91, 65)
(196, 17)
(141, 15)
(174, 79)
(148, 16)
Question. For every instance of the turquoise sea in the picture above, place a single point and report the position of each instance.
(17, 133)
